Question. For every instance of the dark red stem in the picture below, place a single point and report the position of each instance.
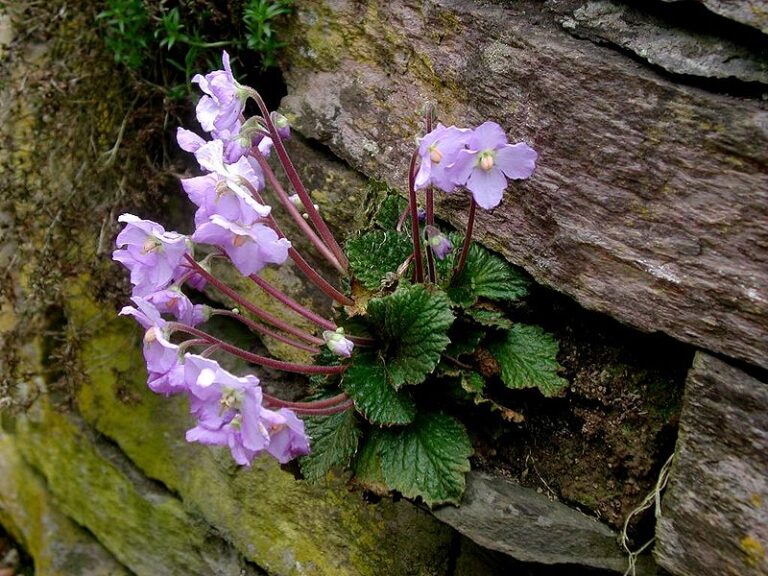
(257, 327)
(293, 177)
(419, 266)
(338, 399)
(256, 358)
(302, 264)
(324, 411)
(292, 304)
(467, 238)
(294, 212)
(252, 308)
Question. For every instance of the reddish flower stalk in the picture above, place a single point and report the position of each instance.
(294, 212)
(292, 304)
(301, 263)
(325, 403)
(467, 238)
(252, 308)
(324, 411)
(419, 266)
(430, 200)
(257, 327)
(293, 177)
(256, 358)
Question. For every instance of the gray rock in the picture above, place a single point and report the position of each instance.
(59, 547)
(526, 525)
(650, 198)
(715, 511)
(750, 12)
(673, 48)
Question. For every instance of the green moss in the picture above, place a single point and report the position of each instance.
(145, 527)
(57, 545)
(285, 526)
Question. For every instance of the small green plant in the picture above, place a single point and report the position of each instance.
(127, 33)
(166, 43)
(259, 16)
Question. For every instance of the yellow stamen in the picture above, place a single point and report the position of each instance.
(150, 335)
(239, 240)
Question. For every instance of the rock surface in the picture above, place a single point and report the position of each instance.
(58, 546)
(750, 12)
(715, 512)
(650, 198)
(670, 46)
(518, 521)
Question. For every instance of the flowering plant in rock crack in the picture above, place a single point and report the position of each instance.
(408, 346)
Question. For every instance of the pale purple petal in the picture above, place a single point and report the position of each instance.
(487, 187)
(517, 161)
(207, 436)
(188, 140)
(207, 110)
(487, 136)
(289, 440)
(463, 167)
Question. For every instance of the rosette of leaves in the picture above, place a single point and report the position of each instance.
(404, 434)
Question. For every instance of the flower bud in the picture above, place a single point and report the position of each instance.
(282, 125)
(296, 201)
(439, 242)
(337, 343)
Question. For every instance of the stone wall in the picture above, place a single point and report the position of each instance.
(649, 205)
(649, 202)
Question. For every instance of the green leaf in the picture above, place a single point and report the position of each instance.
(473, 383)
(528, 359)
(390, 210)
(333, 442)
(366, 383)
(427, 459)
(325, 381)
(412, 324)
(465, 338)
(367, 465)
(373, 255)
(490, 318)
(485, 275)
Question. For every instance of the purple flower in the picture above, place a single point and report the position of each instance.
(337, 343)
(184, 275)
(149, 252)
(223, 191)
(224, 99)
(235, 144)
(165, 373)
(281, 124)
(173, 301)
(228, 409)
(487, 163)
(287, 438)
(439, 242)
(250, 247)
(438, 151)
(188, 140)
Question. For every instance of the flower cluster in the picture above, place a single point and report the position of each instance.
(235, 224)
(480, 160)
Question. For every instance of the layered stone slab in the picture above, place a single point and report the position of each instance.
(650, 200)
(715, 512)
